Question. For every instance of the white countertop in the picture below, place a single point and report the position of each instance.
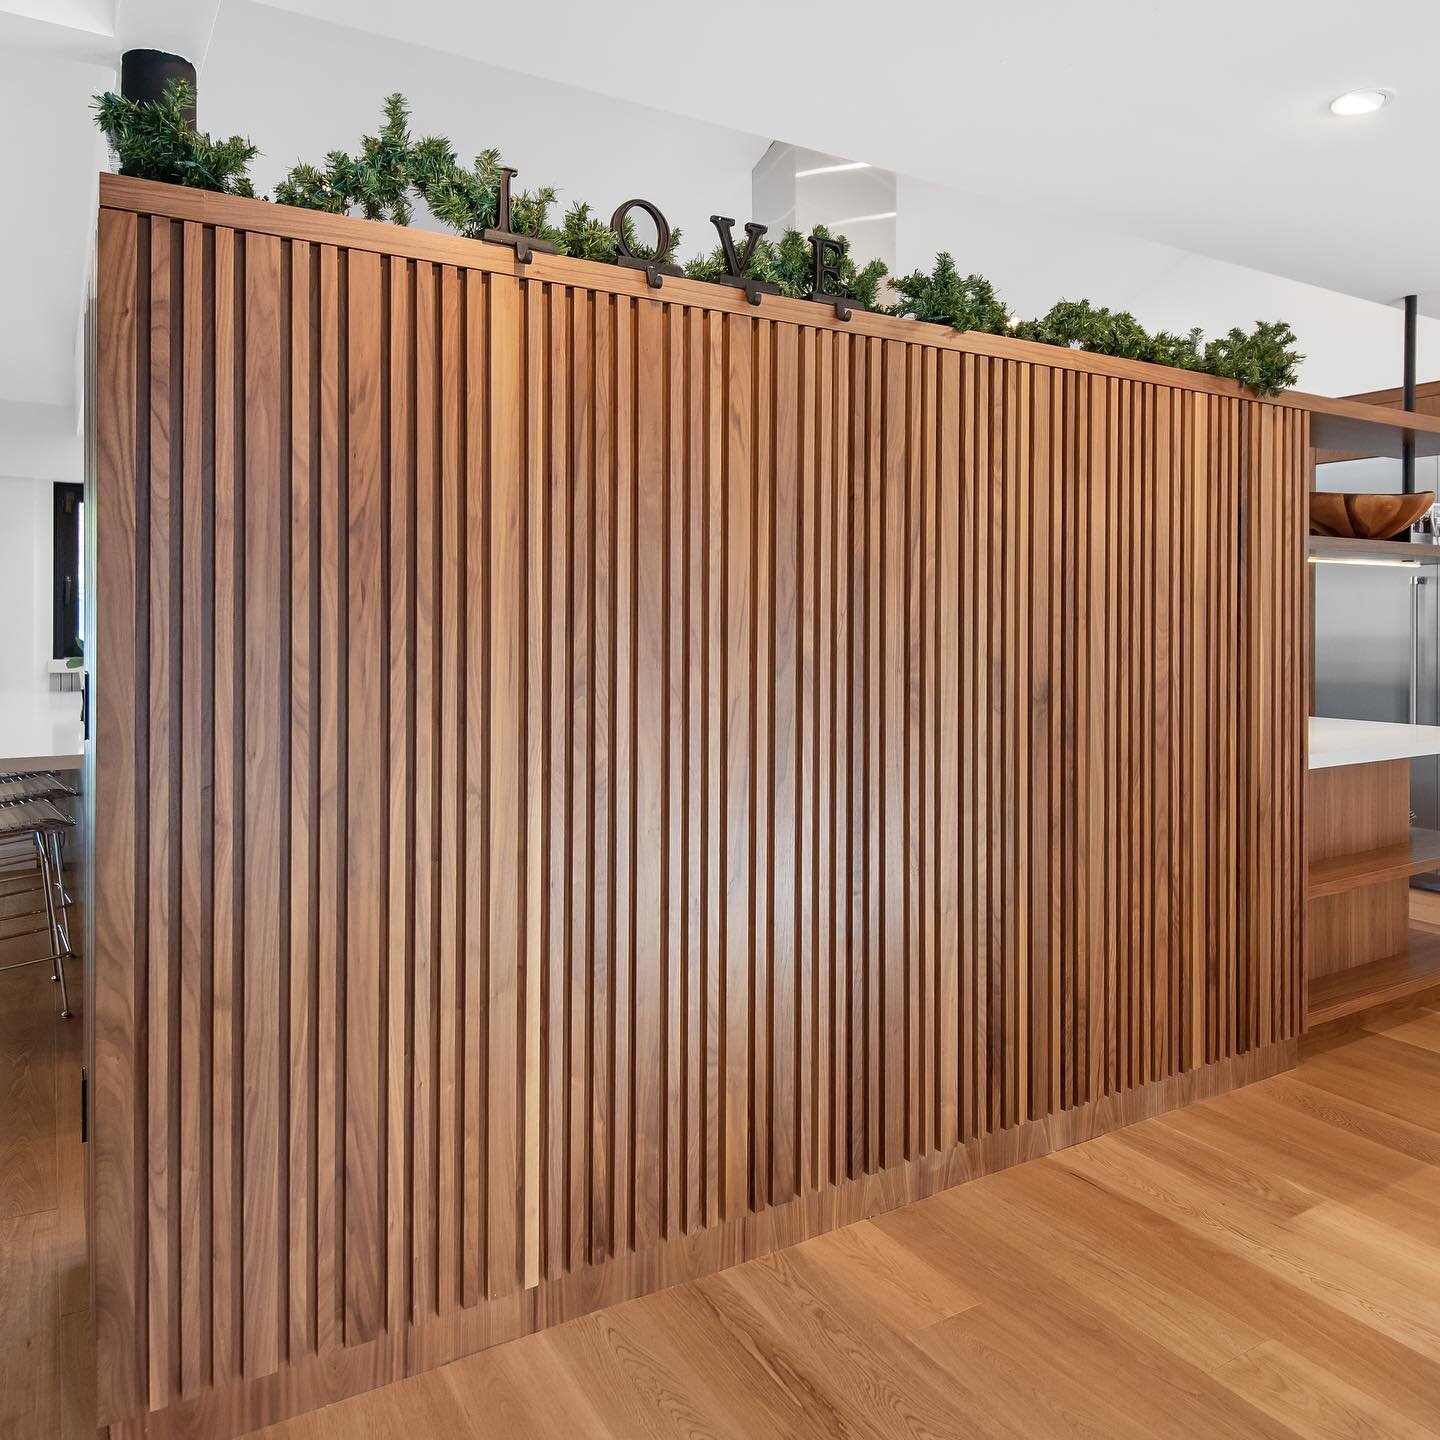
(1362, 742)
(40, 730)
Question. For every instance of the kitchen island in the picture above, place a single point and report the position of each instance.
(1361, 949)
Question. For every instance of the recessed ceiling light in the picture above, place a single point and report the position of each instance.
(1360, 102)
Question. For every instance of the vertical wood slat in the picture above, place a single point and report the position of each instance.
(329, 1189)
(164, 607)
(506, 723)
(399, 970)
(588, 767)
(424, 1164)
(303, 853)
(266, 709)
(457, 1261)
(467, 509)
(578, 1067)
(532, 958)
(119, 1184)
(225, 856)
(194, 780)
(366, 806)
(558, 780)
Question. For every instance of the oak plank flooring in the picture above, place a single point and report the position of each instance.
(29, 1173)
(1264, 1264)
(46, 1358)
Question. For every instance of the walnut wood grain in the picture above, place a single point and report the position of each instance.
(679, 777)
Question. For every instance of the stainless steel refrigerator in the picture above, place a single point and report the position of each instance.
(1377, 634)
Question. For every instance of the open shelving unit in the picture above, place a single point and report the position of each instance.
(1372, 867)
(1410, 971)
(1399, 552)
(1396, 977)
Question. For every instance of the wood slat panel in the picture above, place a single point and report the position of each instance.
(591, 785)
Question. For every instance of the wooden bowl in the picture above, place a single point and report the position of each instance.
(1365, 517)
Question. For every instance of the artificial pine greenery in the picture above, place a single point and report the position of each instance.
(1264, 359)
(377, 180)
(468, 201)
(155, 140)
(585, 236)
(309, 188)
(465, 200)
(789, 265)
(793, 268)
(1079, 325)
(530, 214)
(1184, 352)
(714, 265)
(945, 297)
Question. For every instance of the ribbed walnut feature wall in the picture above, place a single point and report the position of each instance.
(594, 783)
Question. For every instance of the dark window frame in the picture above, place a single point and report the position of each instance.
(66, 579)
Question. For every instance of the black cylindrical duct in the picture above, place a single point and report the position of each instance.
(144, 74)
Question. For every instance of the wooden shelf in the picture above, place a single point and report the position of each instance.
(1372, 867)
(1332, 547)
(1347, 992)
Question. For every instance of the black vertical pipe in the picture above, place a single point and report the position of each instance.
(1408, 444)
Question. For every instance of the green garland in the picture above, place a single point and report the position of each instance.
(945, 297)
(468, 199)
(376, 181)
(788, 265)
(1265, 358)
(587, 237)
(155, 142)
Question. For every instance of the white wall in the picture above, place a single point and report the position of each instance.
(42, 441)
(299, 87)
(26, 561)
(1035, 259)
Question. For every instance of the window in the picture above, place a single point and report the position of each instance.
(69, 570)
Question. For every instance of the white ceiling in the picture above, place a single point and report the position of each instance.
(1206, 128)
(1203, 126)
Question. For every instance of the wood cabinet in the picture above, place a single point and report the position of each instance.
(596, 782)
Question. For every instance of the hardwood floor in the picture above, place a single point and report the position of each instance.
(1266, 1264)
(45, 1389)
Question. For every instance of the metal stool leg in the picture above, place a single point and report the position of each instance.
(62, 896)
(42, 864)
(57, 851)
(47, 883)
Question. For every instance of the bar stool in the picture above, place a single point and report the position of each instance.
(32, 785)
(40, 823)
(41, 785)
